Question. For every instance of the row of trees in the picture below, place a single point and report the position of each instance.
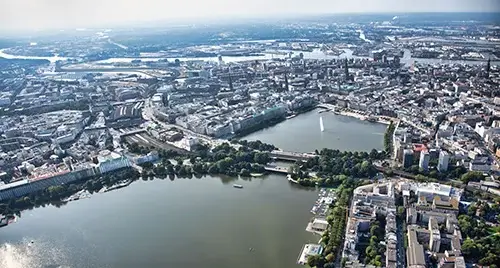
(375, 250)
(332, 239)
(388, 137)
(256, 145)
(54, 194)
(453, 173)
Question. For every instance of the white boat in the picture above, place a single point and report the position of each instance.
(237, 186)
(321, 126)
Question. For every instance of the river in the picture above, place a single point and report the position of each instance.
(315, 54)
(302, 133)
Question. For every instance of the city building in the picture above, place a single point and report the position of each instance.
(424, 160)
(435, 235)
(109, 161)
(308, 250)
(415, 257)
(444, 159)
(407, 158)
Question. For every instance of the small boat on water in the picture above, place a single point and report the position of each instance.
(6, 220)
(237, 186)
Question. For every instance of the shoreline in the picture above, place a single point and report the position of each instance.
(356, 114)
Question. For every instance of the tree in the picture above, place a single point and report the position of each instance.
(213, 169)
(293, 169)
(244, 172)
(471, 176)
(469, 247)
(330, 257)
(170, 169)
(315, 260)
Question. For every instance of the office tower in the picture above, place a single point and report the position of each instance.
(407, 158)
(424, 160)
(346, 69)
(444, 159)
(230, 81)
(286, 82)
(488, 66)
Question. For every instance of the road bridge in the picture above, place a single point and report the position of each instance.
(133, 132)
(291, 156)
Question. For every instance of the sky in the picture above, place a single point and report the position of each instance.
(53, 14)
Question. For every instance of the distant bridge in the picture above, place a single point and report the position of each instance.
(326, 106)
(291, 156)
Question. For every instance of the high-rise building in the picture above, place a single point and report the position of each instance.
(488, 67)
(286, 83)
(444, 159)
(435, 235)
(425, 157)
(407, 158)
(230, 81)
(346, 69)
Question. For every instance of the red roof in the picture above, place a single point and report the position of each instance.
(419, 148)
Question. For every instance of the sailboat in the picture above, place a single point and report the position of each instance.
(321, 126)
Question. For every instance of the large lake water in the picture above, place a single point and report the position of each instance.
(162, 223)
(302, 133)
(188, 222)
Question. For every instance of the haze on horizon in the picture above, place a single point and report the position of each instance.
(58, 14)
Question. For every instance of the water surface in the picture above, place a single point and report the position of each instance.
(302, 133)
(162, 223)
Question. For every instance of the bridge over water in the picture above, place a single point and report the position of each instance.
(291, 156)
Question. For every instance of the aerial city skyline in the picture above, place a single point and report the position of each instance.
(256, 134)
(60, 14)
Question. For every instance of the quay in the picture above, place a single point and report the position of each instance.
(309, 250)
(280, 170)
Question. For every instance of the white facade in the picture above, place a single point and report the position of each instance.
(480, 129)
(109, 161)
(425, 157)
(444, 159)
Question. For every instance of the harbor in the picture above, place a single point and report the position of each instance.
(318, 224)
(326, 197)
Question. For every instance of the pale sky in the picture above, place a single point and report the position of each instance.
(39, 14)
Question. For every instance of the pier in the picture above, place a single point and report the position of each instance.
(280, 170)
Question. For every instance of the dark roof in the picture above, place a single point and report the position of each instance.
(124, 112)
